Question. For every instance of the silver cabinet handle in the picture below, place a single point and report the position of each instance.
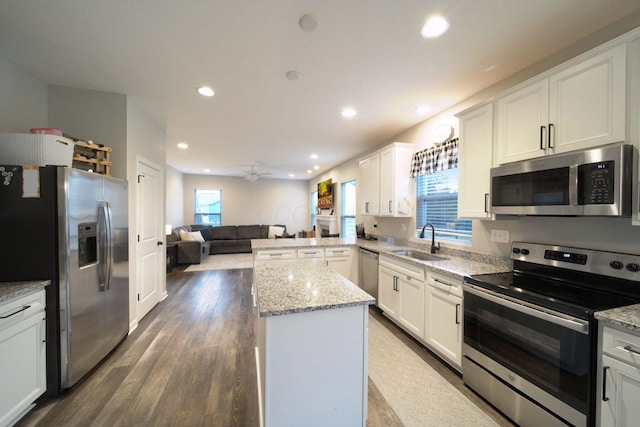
(457, 314)
(631, 350)
(24, 307)
(390, 208)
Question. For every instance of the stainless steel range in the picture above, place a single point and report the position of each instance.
(530, 336)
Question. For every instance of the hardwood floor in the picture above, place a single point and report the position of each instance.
(190, 362)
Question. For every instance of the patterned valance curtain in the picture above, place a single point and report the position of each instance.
(435, 159)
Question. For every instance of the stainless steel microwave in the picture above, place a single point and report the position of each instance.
(596, 182)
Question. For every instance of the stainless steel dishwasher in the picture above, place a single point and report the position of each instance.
(368, 272)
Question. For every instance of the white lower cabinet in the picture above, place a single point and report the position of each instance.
(341, 260)
(443, 329)
(619, 379)
(401, 294)
(23, 376)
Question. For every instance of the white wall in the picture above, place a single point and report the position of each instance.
(174, 197)
(266, 201)
(23, 99)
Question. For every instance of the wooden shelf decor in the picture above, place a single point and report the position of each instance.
(92, 157)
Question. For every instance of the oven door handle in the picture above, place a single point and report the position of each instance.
(574, 325)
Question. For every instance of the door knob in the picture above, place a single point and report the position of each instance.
(160, 243)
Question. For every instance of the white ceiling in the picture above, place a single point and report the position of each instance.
(364, 53)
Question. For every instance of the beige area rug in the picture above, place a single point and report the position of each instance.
(223, 262)
(417, 393)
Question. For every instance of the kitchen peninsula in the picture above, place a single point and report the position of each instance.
(312, 345)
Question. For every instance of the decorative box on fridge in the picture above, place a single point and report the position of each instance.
(35, 149)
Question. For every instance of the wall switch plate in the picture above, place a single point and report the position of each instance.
(500, 236)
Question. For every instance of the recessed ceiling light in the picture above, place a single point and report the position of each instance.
(308, 22)
(291, 175)
(316, 167)
(205, 91)
(183, 145)
(313, 156)
(348, 112)
(434, 27)
(309, 171)
(423, 109)
(292, 75)
(207, 170)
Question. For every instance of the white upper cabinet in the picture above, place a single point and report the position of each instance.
(385, 186)
(574, 108)
(369, 185)
(474, 162)
(396, 187)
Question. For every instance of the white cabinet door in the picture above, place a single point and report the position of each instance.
(621, 389)
(523, 117)
(444, 324)
(411, 311)
(578, 107)
(369, 183)
(396, 187)
(22, 366)
(475, 161)
(341, 265)
(587, 102)
(388, 293)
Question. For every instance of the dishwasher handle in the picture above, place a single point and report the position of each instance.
(368, 254)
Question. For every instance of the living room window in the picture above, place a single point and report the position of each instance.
(314, 209)
(208, 207)
(348, 209)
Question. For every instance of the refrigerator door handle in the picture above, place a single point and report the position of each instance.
(105, 246)
(109, 266)
(102, 246)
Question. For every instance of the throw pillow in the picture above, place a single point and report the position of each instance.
(196, 236)
(184, 235)
(206, 233)
(275, 231)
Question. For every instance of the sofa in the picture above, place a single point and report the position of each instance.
(225, 239)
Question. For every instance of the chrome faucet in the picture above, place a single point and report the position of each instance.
(434, 248)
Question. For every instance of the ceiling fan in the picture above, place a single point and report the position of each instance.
(253, 173)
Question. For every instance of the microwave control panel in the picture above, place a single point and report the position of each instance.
(596, 183)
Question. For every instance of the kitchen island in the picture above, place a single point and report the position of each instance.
(312, 345)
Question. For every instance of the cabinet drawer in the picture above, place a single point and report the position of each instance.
(311, 253)
(621, 345)
(335, 252)
(403, 268)
(20, 308)
(276, 254)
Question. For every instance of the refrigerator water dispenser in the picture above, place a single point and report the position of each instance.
(87, 244)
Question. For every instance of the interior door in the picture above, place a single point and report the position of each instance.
(150, 254)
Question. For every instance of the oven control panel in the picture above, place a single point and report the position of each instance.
(613, 264)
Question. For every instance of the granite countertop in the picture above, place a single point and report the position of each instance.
(626, 317)
(294, 286)
(10, 290)
(458, 263)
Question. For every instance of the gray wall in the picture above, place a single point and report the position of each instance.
(23, 99)
(266, 201)
(95, 115)
(174, 197)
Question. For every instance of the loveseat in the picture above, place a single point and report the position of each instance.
(226, 239)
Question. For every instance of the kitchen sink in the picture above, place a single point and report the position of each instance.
(423, 256)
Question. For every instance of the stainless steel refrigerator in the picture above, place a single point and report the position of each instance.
(71, 227)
